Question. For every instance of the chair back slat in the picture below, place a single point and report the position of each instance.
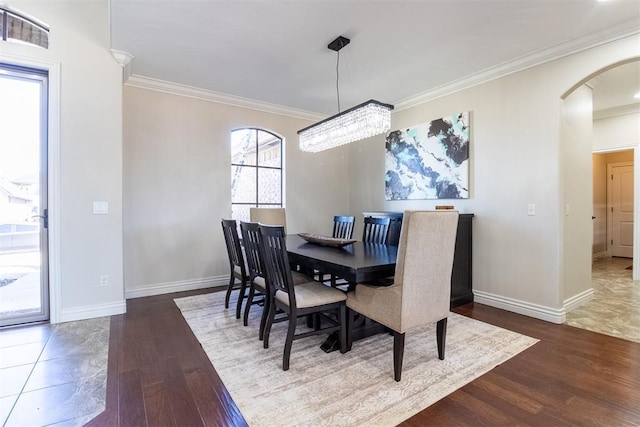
(232, 240)
(276, 261)
(375, 230)
(252, 248)
(343, 226)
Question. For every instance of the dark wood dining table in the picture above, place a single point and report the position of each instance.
(355, 263)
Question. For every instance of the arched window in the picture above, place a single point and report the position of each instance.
(256, 171)
(18, 28)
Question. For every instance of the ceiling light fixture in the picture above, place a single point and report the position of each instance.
(362, 121)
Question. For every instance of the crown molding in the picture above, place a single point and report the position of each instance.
(576, 45)
(616, 111)
(217, 97)
(124, 59)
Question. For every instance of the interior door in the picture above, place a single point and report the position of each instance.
(24, 285)
(620, 209)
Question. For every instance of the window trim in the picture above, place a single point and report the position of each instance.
(258, 167)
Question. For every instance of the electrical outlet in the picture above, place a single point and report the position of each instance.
(104, 280)
(531, 209)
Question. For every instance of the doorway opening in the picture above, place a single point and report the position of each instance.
(24, 277)
(613, 204)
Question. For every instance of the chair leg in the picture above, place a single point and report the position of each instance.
(398, 354)
(247, 306)
(351, 319)
(342, 317)
(441, 335)
(316, 321)
(243, 287)
(289, 341)
(263, 318)
(267, 327)
(229, 289)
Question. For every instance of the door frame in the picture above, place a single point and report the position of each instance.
(53, 167)
(610, 167)
(636, 204)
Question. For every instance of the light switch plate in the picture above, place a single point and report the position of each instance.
(531, 209)
(100, 208)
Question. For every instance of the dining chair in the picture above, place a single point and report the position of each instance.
(375, 230)
(305, 299)
(343, 226)
(421, 292)
(237, 266)
(269, 216)
(257, 282)
(342, 229)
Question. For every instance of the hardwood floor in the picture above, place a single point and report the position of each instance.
(160, 376)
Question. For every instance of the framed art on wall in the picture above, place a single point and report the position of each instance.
(429, 160)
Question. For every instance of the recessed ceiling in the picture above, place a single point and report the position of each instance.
(276, 51)
(616, 87)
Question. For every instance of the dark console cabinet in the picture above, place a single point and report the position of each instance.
(461, 286)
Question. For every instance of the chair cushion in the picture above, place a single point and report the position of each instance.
(238, 270)
(260, 282)
(313, 294)
(299, 278)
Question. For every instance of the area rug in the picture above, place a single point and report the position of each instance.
(352, 389)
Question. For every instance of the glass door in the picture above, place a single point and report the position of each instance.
(24, 284)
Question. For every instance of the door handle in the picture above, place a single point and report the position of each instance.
(45, 218)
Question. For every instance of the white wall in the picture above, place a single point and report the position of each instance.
(599, 248)
(85, 154)
(515, 157)
(616, 132)
(177, 187)
(576, 165)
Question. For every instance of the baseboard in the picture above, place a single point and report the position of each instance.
(577, 300)
(91, 311)
(600, 255)
(179, 286)
(536, 311)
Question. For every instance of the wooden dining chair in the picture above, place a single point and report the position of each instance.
(375, 230)
(257, 278)
(343, 226)
(269, 216)
(342, 229)
(421, 292)
(237, 266)
(296, 301)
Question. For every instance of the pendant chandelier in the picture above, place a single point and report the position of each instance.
(362, 121)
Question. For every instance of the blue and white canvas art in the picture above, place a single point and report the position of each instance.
(429, 161)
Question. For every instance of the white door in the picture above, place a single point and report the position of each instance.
(24, 261)
(620, 209)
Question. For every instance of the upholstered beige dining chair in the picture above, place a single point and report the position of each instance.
(269, 216)
(421, 290)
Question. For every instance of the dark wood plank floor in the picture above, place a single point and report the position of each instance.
(158, 375)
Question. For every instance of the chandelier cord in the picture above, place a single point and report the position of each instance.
(338, 79)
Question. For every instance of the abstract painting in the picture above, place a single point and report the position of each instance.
(429, 161)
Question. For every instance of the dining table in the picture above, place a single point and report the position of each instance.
(356, 262)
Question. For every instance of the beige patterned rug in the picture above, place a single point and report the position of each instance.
(333, 389)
